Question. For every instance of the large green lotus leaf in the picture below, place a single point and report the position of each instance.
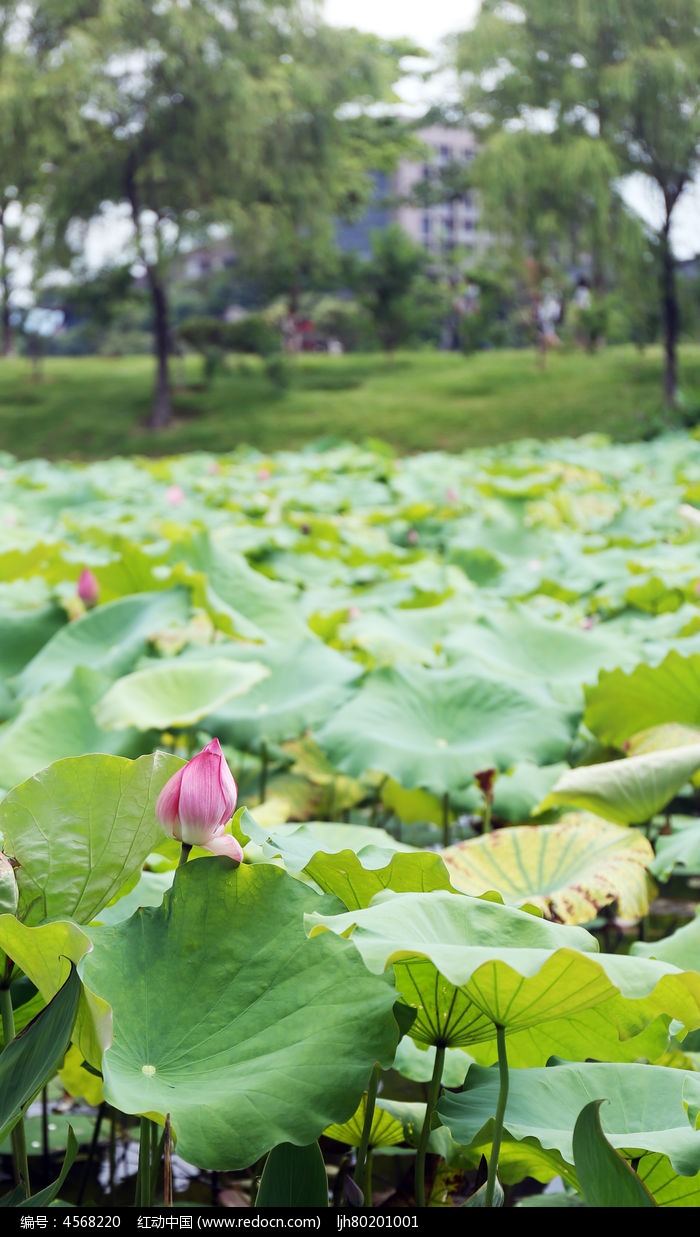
(668, 1188)
(621, 704)
(80, 829)
(109, 638)
(172, 693)
(44, 954)
(297, 843)
(467, 964)
(397, 637)
(681, 948)
(148, 891)
(277, 1037)
(23, 633)
(678, 850)
(58, 723)
(267, 607)
(516, 642)
(629, 791)
(661, 738)
(593, 1034)
(305, 682)
(344, 875)
(645, 1108)
(570, 870)
(436, 728)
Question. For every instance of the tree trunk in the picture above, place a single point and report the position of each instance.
(5, 291)
(6, 323)
(161, 413)
(162, 410)
(670, 317)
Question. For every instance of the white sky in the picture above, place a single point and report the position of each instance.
(426, 21)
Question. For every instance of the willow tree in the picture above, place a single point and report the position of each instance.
(623, 74)
(171, 99)
(327, 129)
(35, 114)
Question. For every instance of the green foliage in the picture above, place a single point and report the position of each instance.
(395, 290)
(417, 402)
(598, 71)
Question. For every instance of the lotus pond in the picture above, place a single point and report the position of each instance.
(460, 699)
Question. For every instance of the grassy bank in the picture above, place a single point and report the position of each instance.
(91, 408)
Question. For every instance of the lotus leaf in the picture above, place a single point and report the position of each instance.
(175, 694)
(627, 791)
(277, 1038)
(570, 870)
(645, 1109)
(435, 728)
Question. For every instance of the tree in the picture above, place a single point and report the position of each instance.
(31, 99)
(623, 74)
(170, 99)
(322, 141)
(394, 288)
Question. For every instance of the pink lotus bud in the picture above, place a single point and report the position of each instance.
(412, 536)
(174, 495)
(264, 474)
(199, 800)
(88, 589)
(354, 612)
(451, 494)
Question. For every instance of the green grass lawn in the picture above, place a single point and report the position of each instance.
(93, 408)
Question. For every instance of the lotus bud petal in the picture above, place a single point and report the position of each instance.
(88, 589)
(198, 801)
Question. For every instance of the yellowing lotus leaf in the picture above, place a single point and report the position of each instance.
(570, 870)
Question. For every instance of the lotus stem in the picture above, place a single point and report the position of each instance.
(263, 771)
(45, 1148)
(499, 1118)
(144, 1176)
(487, 813)
(185, 849)
(20, 1163)
(431, 1103)
(446, 838)
(167, 1164)
(363, 1165)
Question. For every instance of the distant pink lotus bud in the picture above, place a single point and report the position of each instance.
(199, 800)
(354, 612)
(264, 474)
(451, 494)
(174, 495)
(412, 536)
(88, 589)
